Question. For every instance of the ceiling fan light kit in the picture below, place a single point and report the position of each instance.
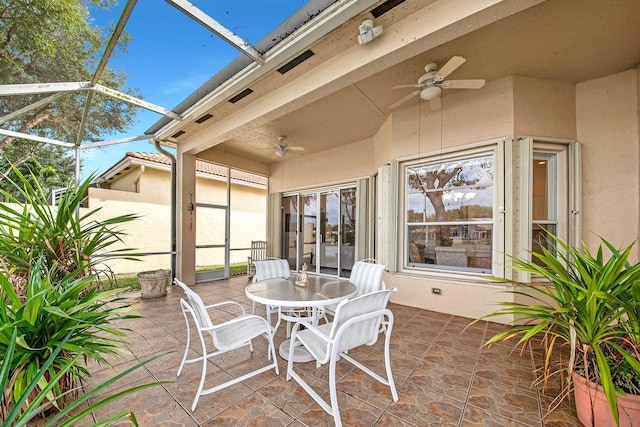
(281, 151)
(429, 93)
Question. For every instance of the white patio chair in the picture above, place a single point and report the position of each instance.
(367, 276)
(226, 336)
(357, 322)
(258, 253)
(272, 268)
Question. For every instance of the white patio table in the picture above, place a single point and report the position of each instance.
(319, 292)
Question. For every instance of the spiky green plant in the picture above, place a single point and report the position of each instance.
(589, 303)
(35, 398)
(71, 314)
(63, 237)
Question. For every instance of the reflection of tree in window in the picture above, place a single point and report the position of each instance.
(449, 214)
(447, 186)
(347, 213)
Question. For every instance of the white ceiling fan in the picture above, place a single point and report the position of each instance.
(430, 85)
(282, 148)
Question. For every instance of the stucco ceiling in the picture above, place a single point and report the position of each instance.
(565, 40)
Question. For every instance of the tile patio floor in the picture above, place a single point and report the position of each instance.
(443, 376)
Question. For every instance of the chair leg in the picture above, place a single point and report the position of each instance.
(387, 362)
(186, 347)
(205, 360)
(333, 392)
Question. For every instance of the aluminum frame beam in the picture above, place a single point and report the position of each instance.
(36, 138)
(37, 104)
(37, 88)
(220, 30)
(136, 101)
(115, 141)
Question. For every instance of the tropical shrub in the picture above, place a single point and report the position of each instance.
(69, 316)
(35, 398)
(588, 305)
(66, 241)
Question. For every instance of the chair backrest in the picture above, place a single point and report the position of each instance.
(366, 329)
(197, 305)
(367, 276)
(258, 250)
(271, 268)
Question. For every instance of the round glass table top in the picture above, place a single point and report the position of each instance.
(320, 291)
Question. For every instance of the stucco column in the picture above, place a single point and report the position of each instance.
(186, 215)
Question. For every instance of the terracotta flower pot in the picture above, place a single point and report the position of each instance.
(628, 405)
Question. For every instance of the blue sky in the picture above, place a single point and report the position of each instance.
(171, 55)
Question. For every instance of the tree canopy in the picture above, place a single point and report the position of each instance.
(43, 41)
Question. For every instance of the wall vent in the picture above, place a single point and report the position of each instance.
(295, 62)
(204, 118)
(241, 95)
(385, 7)
(177, 134)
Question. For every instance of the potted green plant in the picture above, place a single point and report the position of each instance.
(70, 313)
(587, 306)
(50, 261)
(34, 399)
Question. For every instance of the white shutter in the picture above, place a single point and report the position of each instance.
(524, 191)
(364, 229)
(274, 225)
(387, 215)
(575, 194)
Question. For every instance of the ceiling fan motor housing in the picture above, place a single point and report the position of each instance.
(427, 79)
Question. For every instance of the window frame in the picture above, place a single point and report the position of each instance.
(567, 192)
(497, 150)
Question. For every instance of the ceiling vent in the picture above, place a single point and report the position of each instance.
(295, 62)
(385, 7)
(204, 118)
(177, 134)
(241, 95)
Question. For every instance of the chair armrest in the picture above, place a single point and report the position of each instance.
(237, 320)
(221, 304)
(316, 331)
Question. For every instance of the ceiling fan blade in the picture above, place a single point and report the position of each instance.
(296, 148)
(435, 103)
(404, 86)
(449, 67)
(403, 100)
(463, 84)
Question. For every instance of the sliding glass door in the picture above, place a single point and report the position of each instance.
(319, 230)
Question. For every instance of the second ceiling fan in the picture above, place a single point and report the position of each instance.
(282, 148)
(430, 85)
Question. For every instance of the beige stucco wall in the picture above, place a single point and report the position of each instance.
(348, 162)
(465, 117)
(544, 108)
(151, 232)
(607, 118)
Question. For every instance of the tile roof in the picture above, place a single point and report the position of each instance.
(204, 167)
